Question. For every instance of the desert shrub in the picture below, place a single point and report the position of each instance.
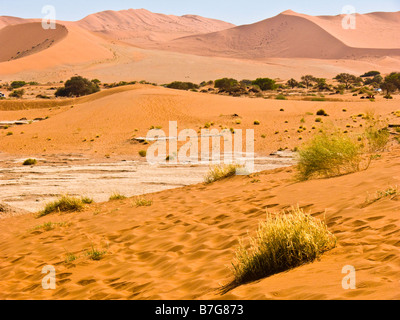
(377, 138)
(17, 84)
(77, 86)
(390, 192)
(143, 153)
(220, 172)
(143, 202)
(87, 200)
(257, 123)
(370, 74)
(284, 241)
(182, 85)
(322, 112)
(265, 84)
(117, 196)
(29, 162)
(115, 84)
(328, 155)
(280, 97)
(95, 254)
(64, 204)
(17, 93)
(227, 84)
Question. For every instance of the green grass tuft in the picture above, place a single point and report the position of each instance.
(117, 196)
(63, 204)
(220, 172)
(283, 242)
(329, 155)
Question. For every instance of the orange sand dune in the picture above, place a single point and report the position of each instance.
(7, 21)
(78, 47)
(92, 49)
(181, 246)
(373, 30)
(291, 35)
(21, 40)
(143, 27)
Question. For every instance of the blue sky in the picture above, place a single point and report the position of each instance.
(234, 11)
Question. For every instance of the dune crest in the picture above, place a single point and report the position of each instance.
(142, 26)
(293, 35)
(25, 39)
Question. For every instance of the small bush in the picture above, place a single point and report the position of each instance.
(117, 196)
(280, 97)
(143, 153)
(77, 86)
(95, 254)
(283, 242)
(257, 123)
(322, 113)
(87, 200)
(17, 94)
(329, 155)
(17, 84)
(30, 162)
(182, 85)
(391, 192)
(377, 138)
(64, 204)
(142, 202)
(220, 172)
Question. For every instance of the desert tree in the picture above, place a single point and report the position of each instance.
(347, 79)
(265, 84)
(308, 80)
(292, 83)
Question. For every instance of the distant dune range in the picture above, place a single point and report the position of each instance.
(139, 44)
(291, 35)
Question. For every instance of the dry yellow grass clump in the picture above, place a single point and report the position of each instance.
(220, 172)
(284, 241)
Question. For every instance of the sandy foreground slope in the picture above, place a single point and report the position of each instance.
(181, 246)
(105, 123)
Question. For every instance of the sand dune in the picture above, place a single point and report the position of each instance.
(119, 114)
(104, 46)
(77, 46)
(142, 27)
(290, 35)
(21, 40)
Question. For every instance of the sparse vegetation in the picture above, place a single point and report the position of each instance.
(182, 85)
(329, 154)
(95, 254)
(322, 112)
(391, 192)
(143, 202)
(117, 196)
(143, 153)
(17, 94)
(30, 162)
(284, 241)
(63, 204)
(77, 86)
(220, 172)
